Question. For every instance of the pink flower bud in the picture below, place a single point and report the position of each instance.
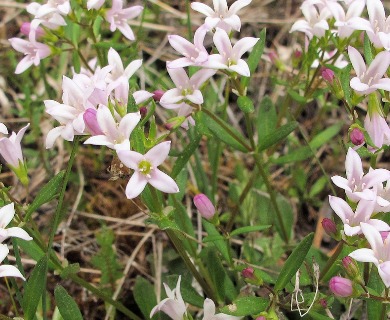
(356, 136)
(329, 227)
(261, 318)
(323, 303)
(341, 287)
(351, 268)
(143, 111)
(157, 95)
(327, 75)
(91, 122)
(273, 56)
(297, 54)
(248, 273)
(204, 205)
(25, 29)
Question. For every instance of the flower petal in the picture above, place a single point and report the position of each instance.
(163, 182)
(135, 185)
(130, 159)
(158, 153)
(364, 255)
(7, 214)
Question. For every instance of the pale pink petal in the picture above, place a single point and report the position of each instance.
(135, 185)
(181, 45)
(241, 67)
(353, 165)
(128, 123)
(238, 5)
(132, 12)
(163, 182)
(52, 136)
(341, 182)
(179, 63)
(23, 65)
(179, 77)
(3, 128)
(364, 255)
(379, 225)
(3, 252)
(208, 309)
(132, 68)
(171, 96)
(351, 231)
(141, 96)
(382, 84)
(357, 61)
(384, 270)
(126, 31)
(379, 65)
(202, 8)
(107, 122)
(375, 176)
(100, 140)
(10, 271)
(357, 85)
(158, 153)
(233, 22)
(341, 208)
(130, 159)
(243, 45)
(6, 214)
(201, 76)
(195, 97)
(18, 233)
(222, 42)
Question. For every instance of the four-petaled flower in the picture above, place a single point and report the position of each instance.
(173, 305)
(117, 17)
(146, 171)
(222, 16)
(369, 79)
(229, 56)
(379, 254)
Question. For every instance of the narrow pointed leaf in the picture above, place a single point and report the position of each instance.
(277, 136)
(248, 229)
(66, 305)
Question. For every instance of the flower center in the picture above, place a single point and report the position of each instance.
(145, 167)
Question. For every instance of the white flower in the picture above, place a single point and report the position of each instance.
(6, 215)
(7, 270)
(222, 16)
(146, 171)
(174, 305)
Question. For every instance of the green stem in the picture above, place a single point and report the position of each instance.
(384, 306)
(227, 129)
(264, 176)
(205, 286)
(188, 11)
(332, 260)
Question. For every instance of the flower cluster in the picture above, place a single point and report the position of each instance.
(50, 19)
(220, 22)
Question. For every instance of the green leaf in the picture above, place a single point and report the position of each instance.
(344, 80)
(294, 262)
(111, 44)
(317, 316)
(245, 104)
(96, 25)
(145, 296)
(185, 155)
(324, 136)
(254, 57)
(48, 192)
(318, 186)
(276, 136)
(374, 308)
(221, 245)
(34, 289)
(367, 49)
(73, 268)
(226, 133)
(213, 238)
(66, 305)
(246, 306)
(299, 154)
(248, 229)
(266, 118)
(296, 96)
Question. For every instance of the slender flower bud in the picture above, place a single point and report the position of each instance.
(323, 303)
(157, 95)
(351, 268)
(329, 227)
(25, 29)
(91, 122)
(248, 272)
(341, 287)
(250, 276)
(328, 75)
(143, 111)
(204, 205)
(356, 136)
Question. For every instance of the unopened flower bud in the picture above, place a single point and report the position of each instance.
(261, 318)
(351, 268)
(157, 95)
(174, 123)
(328, 75)
(329, 227)
(323, 303)
(204, 205)
(143, 111)
(91, 122)
(25, 29)
(356, 136)
(341, 287)
(251, 276)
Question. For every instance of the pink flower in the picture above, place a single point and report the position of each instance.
(146, 171)
(369, 79)
(352, 220)
(195, 54)
(357, 185)
(186, 88)
(379, 33)
(341, 287)
(377, 128)
(379, 254)
(34, 52)
(46, 15)
(8, 270)
(204, 206)
(229, 56)
(117, 17)
(222, 16)
(114, 136)
(174, 305)
(11, 151)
